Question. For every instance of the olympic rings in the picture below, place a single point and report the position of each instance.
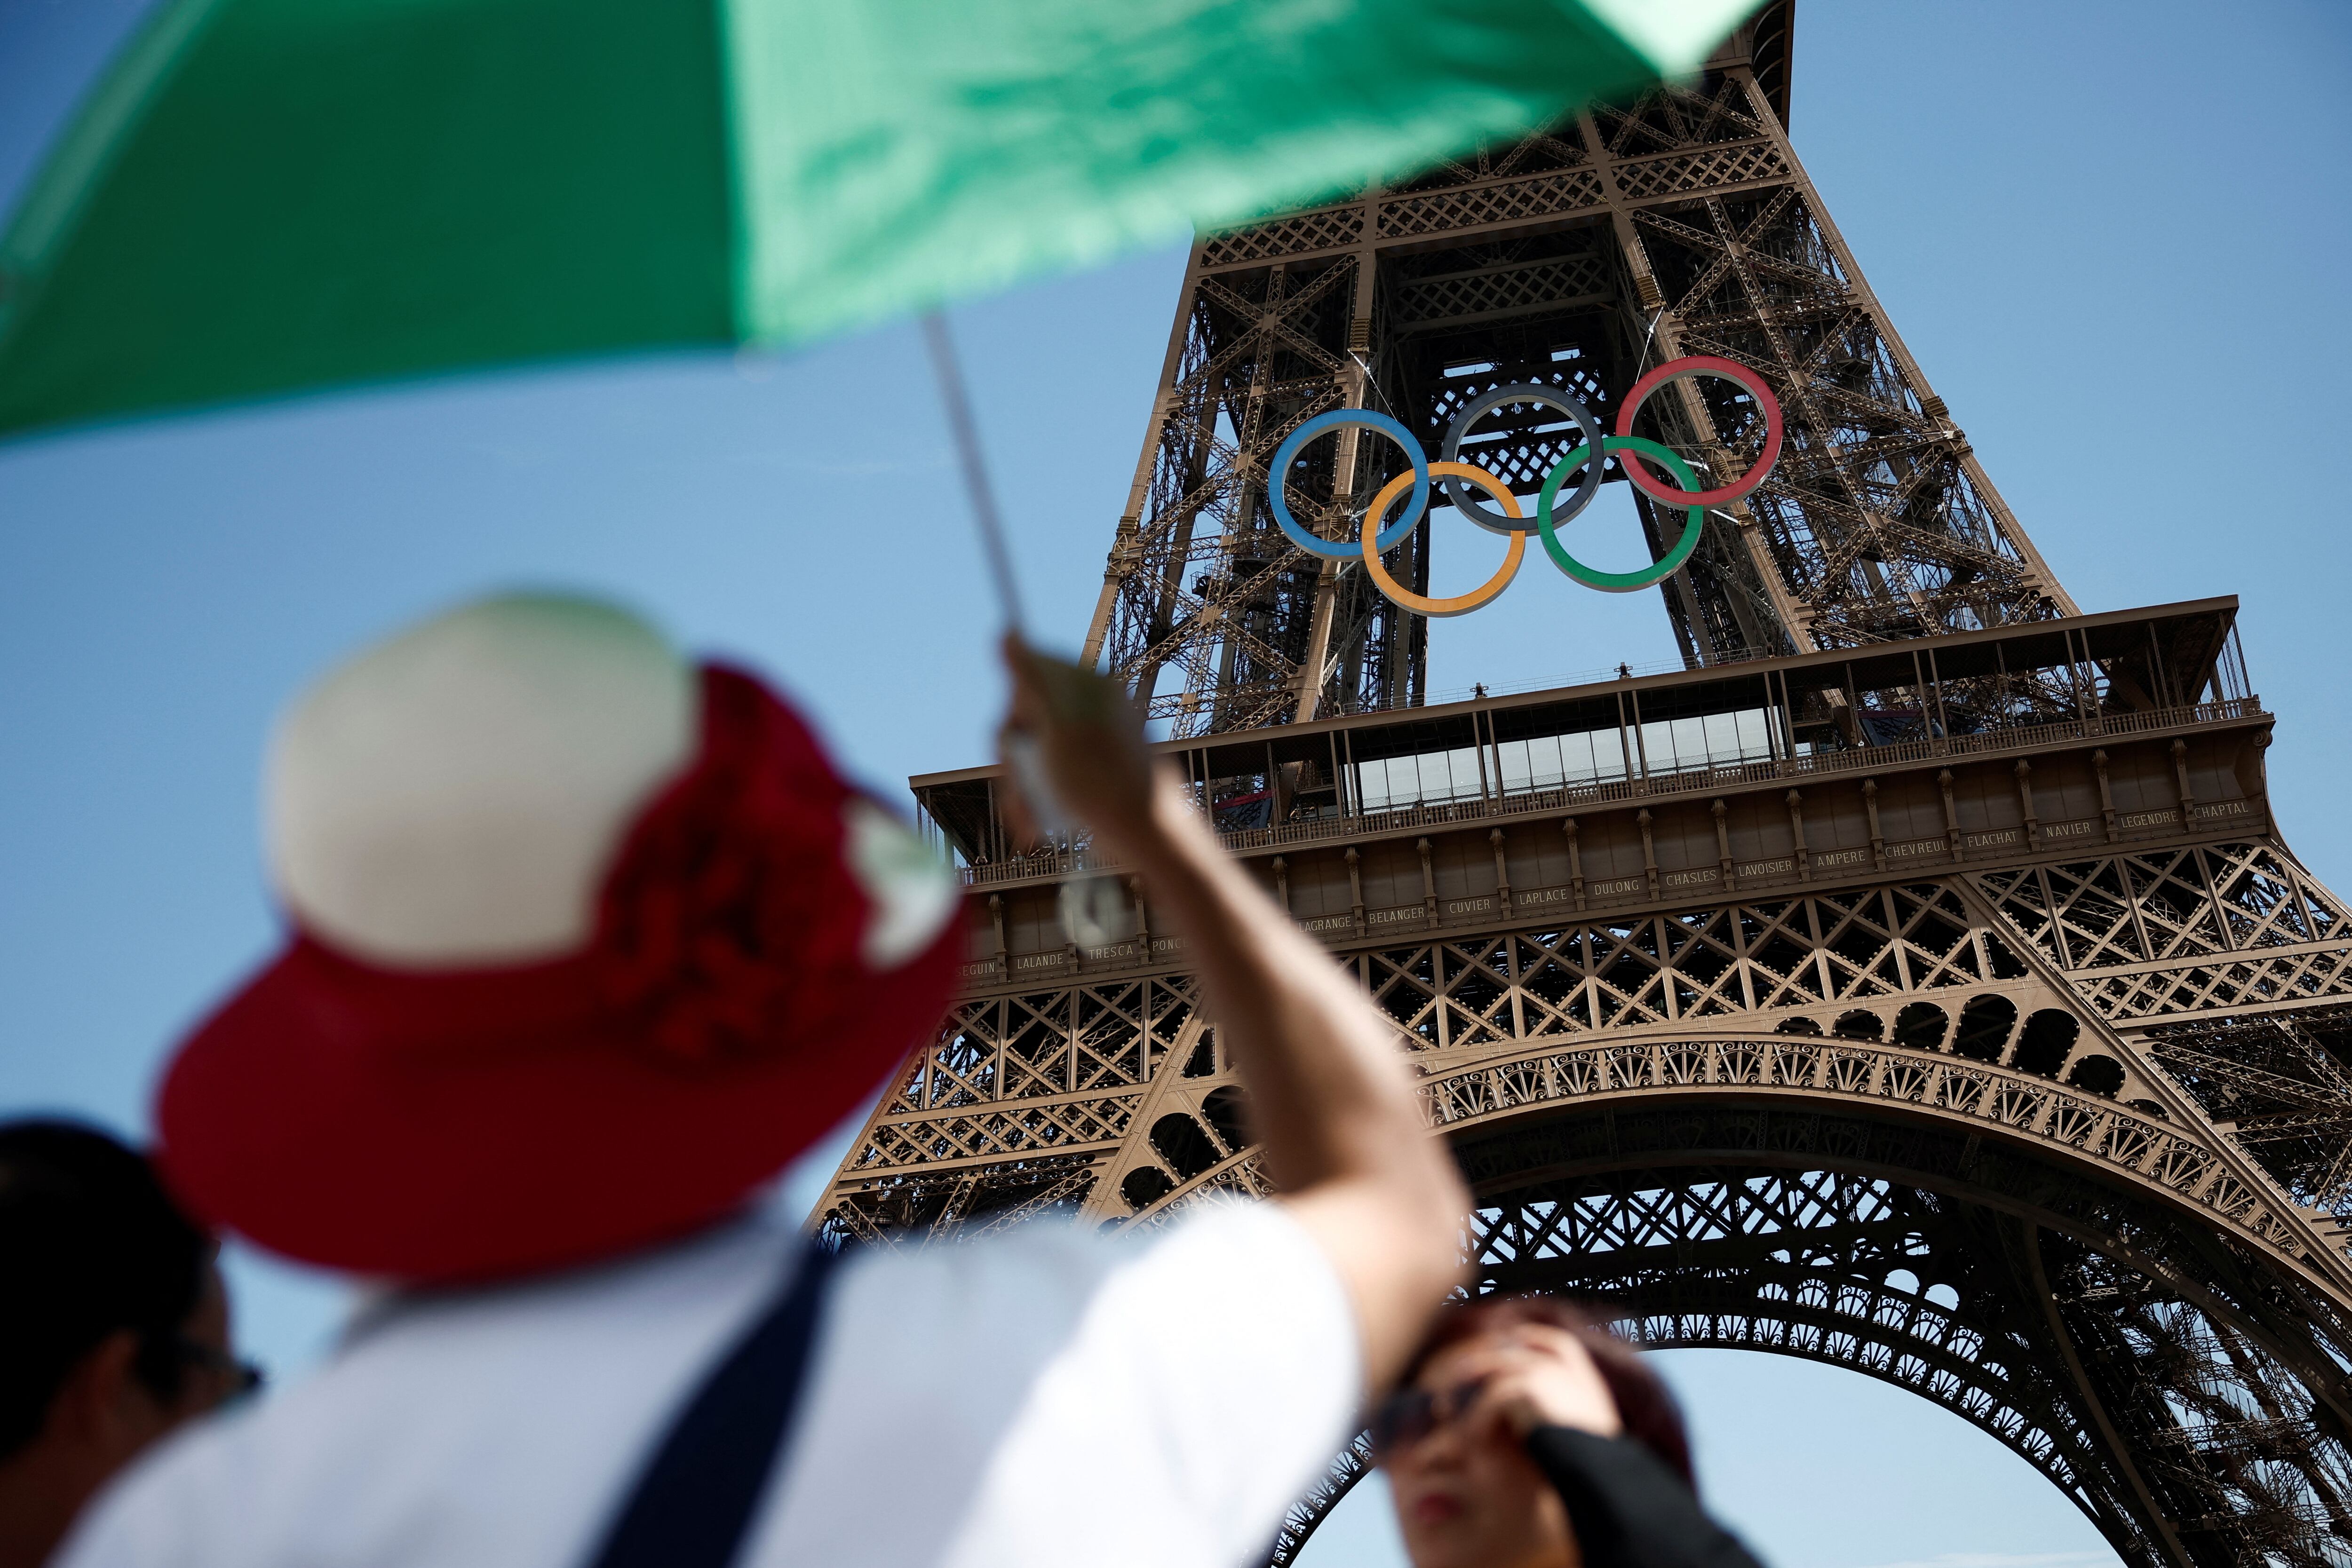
(1458, 481)
(1462, 604)
(1617, 581)
(1287, 453)
(1525, 392)
(1692, 365)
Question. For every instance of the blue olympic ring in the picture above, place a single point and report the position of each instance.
(1284, 454)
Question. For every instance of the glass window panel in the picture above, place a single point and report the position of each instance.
(1517, 762)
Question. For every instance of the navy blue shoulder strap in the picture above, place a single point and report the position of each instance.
(693, 1503)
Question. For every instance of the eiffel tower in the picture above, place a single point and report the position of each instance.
(1915, 980)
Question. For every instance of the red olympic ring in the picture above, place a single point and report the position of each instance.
(1697, 364)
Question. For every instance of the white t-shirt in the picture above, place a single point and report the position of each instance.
(1038, 1400)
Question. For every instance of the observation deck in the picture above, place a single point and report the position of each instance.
(2007, 745)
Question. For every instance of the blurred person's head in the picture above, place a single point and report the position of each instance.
(114, 1326)
(587, 941)
(1452, 1438)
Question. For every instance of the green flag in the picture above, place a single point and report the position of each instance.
(268, 195)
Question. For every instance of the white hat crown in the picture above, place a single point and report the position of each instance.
(454, 797)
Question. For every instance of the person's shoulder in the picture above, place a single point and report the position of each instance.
(167, 1506)
(1051, 1252)
(478, 1393)
(1048, 1272)
(1012, 1272)
(1246, 1252)
(1222, 1234)
(1162, 1393)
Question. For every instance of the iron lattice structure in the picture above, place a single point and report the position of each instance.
(1917, 982)
(1684, 223)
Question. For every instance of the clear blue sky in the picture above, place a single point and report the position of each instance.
(2114, 234)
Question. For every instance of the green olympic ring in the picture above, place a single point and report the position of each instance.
(1618, 581)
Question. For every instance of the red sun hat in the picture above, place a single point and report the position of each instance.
(588, 943)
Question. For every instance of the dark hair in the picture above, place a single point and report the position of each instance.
(92, 1244)
(1645, 1405)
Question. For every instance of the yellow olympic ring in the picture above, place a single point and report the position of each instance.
(1462, 604)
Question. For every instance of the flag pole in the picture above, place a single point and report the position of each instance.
(977, 489)
(1020, 748)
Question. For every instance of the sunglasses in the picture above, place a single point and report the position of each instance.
(1408, 1414)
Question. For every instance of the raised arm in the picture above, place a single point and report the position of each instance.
(1331, 1095)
